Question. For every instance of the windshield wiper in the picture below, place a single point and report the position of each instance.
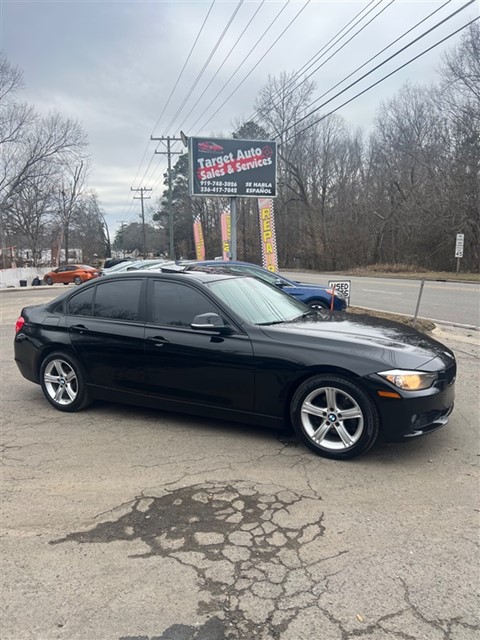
(305, 314)
(267, 324)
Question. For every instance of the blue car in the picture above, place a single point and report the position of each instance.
(314, 295)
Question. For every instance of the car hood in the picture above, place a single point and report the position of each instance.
(305, 285)
(392, 343)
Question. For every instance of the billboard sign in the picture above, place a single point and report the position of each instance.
(228, 168)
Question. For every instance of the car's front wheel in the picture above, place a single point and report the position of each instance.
(77, 280)
(334, 417)
(318, 304)
(49, 280)
(63, 382)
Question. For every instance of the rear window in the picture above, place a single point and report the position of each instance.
(118, 300)
(81, 304)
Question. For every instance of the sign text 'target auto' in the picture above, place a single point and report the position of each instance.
(243, 168)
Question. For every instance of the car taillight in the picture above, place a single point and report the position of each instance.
(19, 324)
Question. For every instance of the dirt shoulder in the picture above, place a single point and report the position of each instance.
(382, 271)
(422, 325)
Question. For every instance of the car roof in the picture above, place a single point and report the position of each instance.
(248, 264)
(178, 275)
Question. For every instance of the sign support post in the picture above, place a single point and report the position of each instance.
(233, 223)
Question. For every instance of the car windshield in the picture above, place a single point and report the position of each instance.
(120, 266)
(267, 276)
(257, 302)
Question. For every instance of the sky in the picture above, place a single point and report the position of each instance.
(112, 65)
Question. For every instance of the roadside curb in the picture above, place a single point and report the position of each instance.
(457, 325)
(27, 288)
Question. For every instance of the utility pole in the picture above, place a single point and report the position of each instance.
(142, 197)
(122, 231)
(169, 154)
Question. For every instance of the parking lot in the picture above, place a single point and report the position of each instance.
(127, 523)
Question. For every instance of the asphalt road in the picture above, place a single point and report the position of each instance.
(121, 523)
(456, 302)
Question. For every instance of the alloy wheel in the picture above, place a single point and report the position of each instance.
(61, 382)
(332, 418)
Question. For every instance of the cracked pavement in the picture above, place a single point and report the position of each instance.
(120, 523)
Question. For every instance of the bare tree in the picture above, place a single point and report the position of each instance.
(69, 194)
(30, 215)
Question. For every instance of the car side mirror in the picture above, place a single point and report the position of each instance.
(209, 322)
(280, 283)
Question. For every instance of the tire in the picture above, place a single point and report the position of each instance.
(63, 382)
(49, 280)
(318, 304)
(318, 411)
(77, 280)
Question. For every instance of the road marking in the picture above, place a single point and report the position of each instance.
(437, 284)
(429, 283)
(393, 293)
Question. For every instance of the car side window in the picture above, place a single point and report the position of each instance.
(118, 300)
(177, 304)
(81, 304)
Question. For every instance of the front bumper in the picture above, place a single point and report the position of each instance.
(414, 413)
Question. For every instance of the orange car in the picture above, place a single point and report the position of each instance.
(76, 273)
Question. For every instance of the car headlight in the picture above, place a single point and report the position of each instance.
(335, 292)
(409, 380)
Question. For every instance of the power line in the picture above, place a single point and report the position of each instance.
(304, 79)
(183, 68)
(312, 124)
(272, 22)
(205, 89)
(380, 52)
(316, 57)
(212, 53)
(422, 35)
(181, 72)
(249, 73)
(165, 106)
(325, 49)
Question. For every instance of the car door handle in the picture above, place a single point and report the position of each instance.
(157, 341)
(78, 328)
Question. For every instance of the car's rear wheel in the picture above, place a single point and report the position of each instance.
(63, 382)
(334, 417)
(77, 280)
(318, 304)
(49, 280)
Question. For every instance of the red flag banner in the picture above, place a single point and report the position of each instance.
(226, 223)
(198, 237)
(267, 234)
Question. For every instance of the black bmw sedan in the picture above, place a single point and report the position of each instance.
(236, 348)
